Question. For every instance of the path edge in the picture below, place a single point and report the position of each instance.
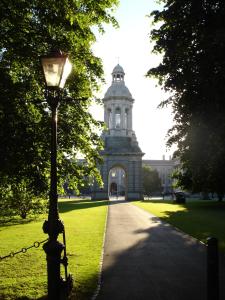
(97, 290)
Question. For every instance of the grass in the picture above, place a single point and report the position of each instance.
(24, 275)
(199, 218)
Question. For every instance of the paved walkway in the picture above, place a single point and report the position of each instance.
(145, 258)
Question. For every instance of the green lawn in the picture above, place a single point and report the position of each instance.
(199, 218)
(24, 276)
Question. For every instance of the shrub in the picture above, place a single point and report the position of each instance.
(17, 199)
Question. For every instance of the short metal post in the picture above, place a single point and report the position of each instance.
(212, 269)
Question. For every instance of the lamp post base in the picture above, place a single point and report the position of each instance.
(58, 288)
(53, 250)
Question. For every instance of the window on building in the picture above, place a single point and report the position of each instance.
(118, 118)
(126, 119)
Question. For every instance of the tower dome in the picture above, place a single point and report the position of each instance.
(118, 88)
(118, 70)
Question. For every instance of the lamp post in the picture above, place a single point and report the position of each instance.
(56, 68)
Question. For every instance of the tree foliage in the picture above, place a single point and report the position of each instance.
(192, 41)
(151, 180)
(18, 199)
(28, 30)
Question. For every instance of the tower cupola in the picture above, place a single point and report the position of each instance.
(118, 89)
(118, 104)
(118, 74)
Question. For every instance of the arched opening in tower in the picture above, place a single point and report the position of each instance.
(113, 188)
(117, 183)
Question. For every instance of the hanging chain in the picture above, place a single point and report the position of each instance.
(64, 260)
(23, 250)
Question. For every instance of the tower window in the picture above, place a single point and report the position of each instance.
(117, 77)
(126, 119)
(118, 118)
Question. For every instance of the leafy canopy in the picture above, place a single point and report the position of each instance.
(151, 180)
(192, 41)
(29, 29)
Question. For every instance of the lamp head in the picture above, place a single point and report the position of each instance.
(56, 67)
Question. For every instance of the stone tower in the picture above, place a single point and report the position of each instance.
(121, 150)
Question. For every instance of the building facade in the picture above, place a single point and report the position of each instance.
(121, 170)
(165, 169)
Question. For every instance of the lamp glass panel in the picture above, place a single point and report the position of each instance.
(53, 68)
(66, 71)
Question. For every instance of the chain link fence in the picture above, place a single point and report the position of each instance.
(23, 250)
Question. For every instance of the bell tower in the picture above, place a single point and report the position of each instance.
(118, 105)
(121, 149)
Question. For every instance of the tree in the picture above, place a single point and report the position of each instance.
(29, 29)
(192, 42)
(19, 200)
(151, 180)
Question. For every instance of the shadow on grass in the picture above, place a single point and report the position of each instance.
(196, 204)
(5, 221)
(200, 219)
(3, 297)
(28, 298)
(81, 290)
(68, 205)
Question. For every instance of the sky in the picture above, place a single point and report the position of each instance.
(130, 46)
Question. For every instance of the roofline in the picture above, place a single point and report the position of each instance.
(118, 98)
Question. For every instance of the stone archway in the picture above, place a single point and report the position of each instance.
(132, 166)
(117, 182)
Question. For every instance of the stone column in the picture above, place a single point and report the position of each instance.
(113, 117)
(106, 115)
(123, 109)
(129, 118)
(101, 193)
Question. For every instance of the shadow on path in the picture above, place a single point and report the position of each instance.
(147, 259)
(201, 219)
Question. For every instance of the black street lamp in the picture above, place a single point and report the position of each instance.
(56, 67)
